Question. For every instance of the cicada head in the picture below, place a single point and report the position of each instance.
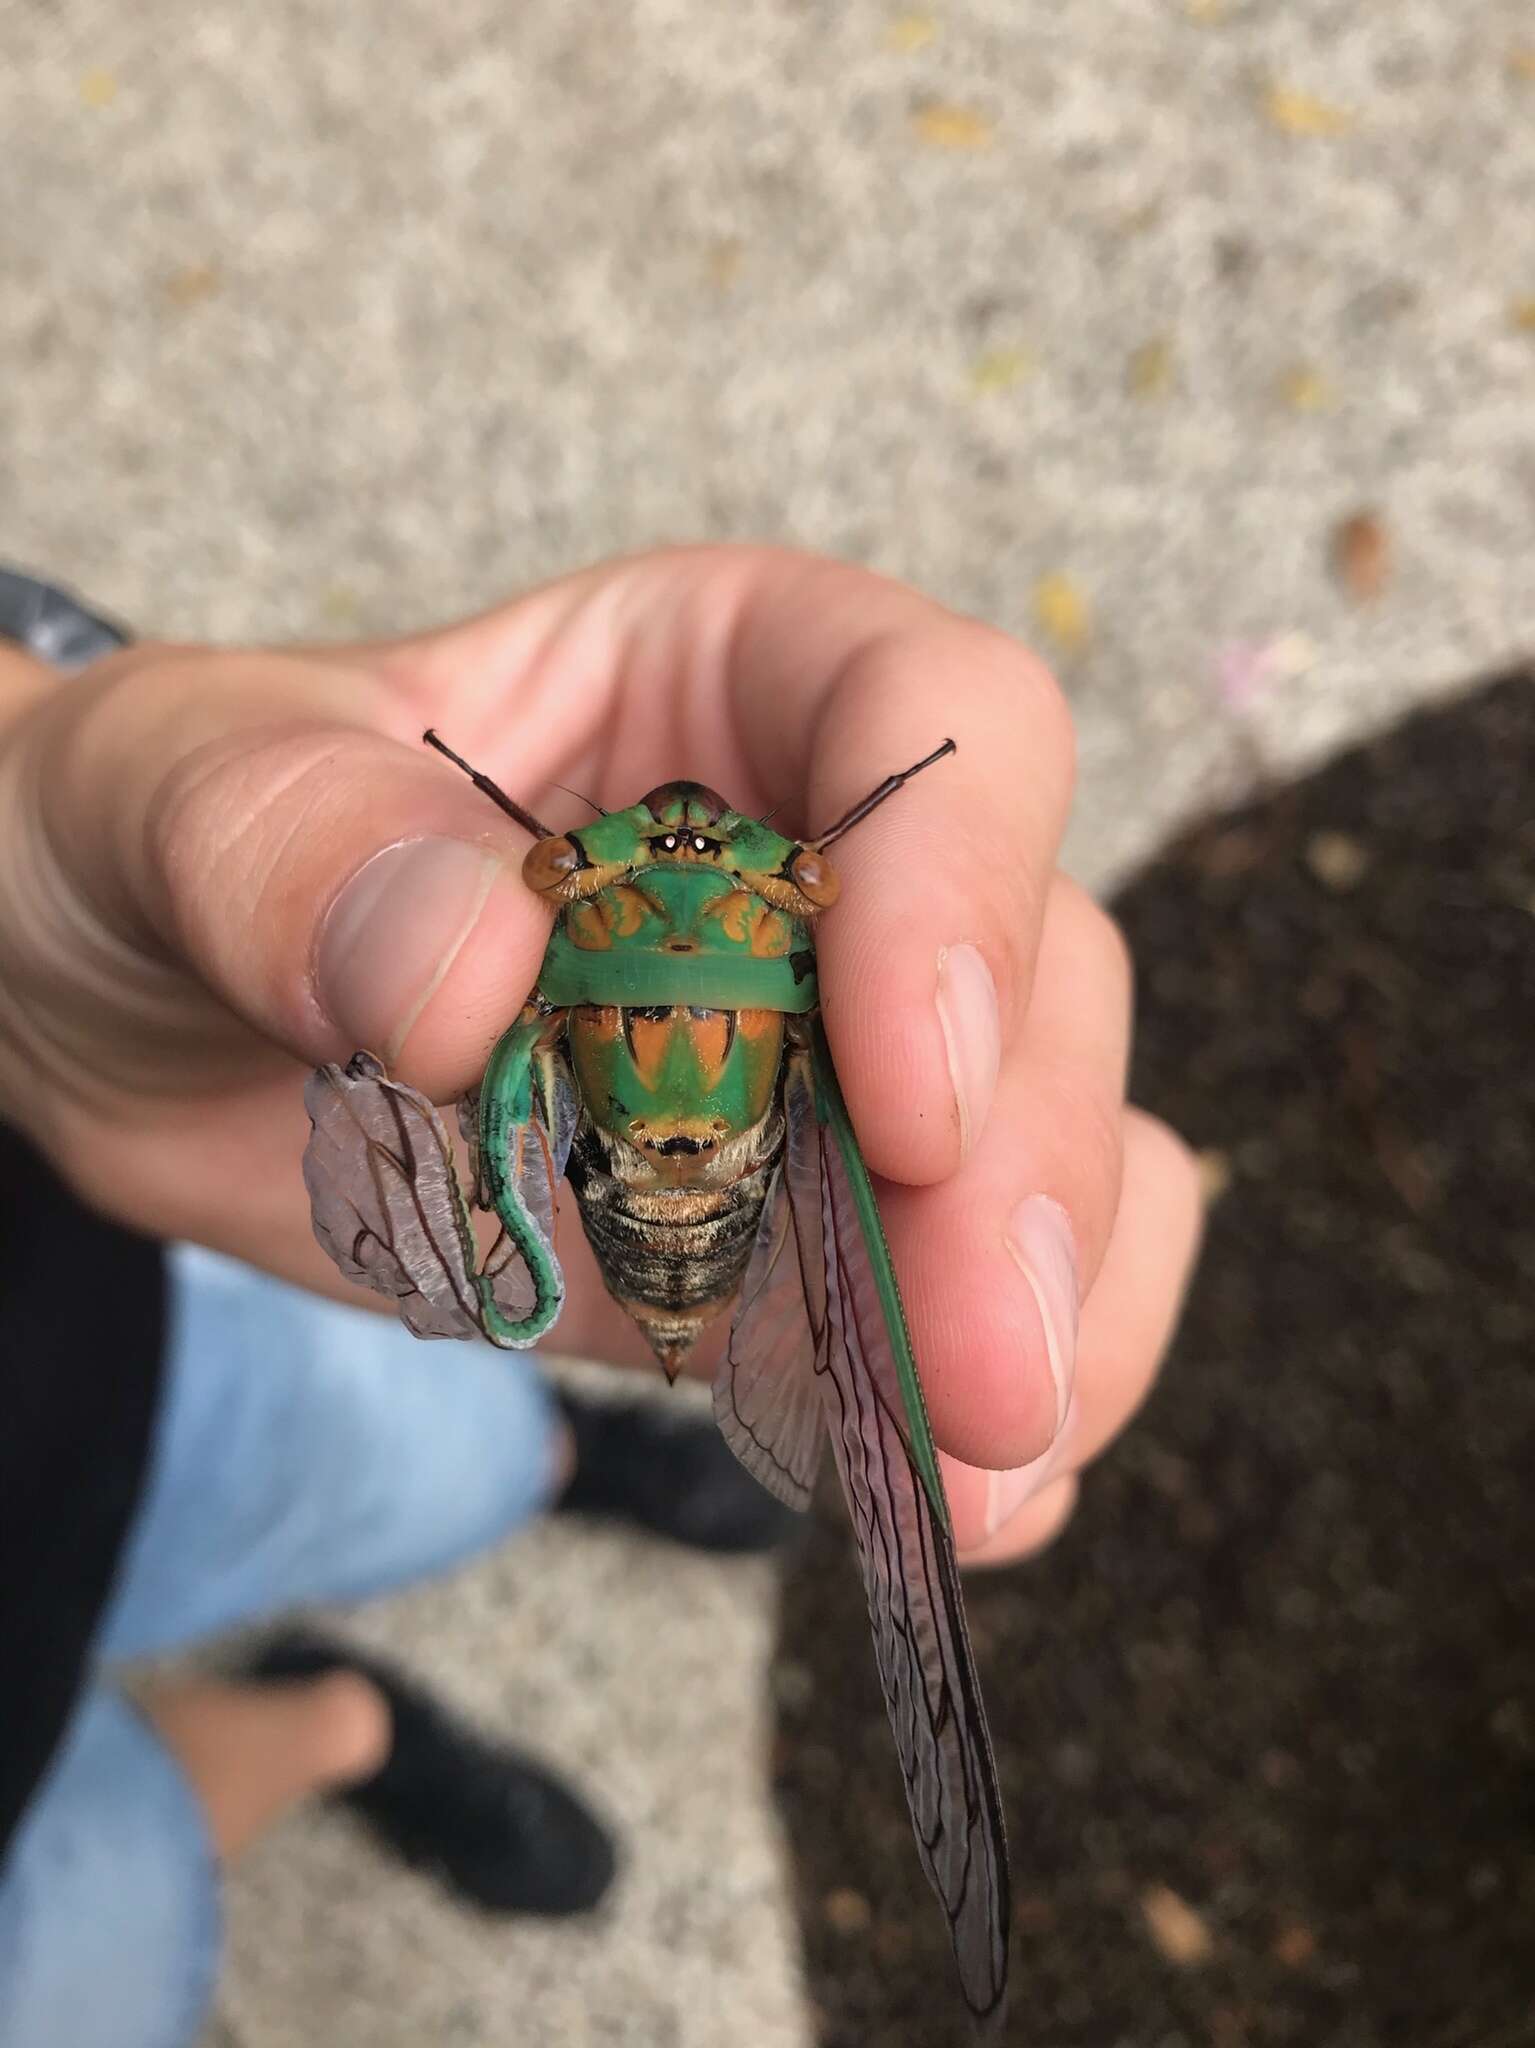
(687, 825)
(682, 825)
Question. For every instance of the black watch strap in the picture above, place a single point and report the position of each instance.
(53, 624)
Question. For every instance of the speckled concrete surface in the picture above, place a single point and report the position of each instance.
(1094, 321)
(638, 1668)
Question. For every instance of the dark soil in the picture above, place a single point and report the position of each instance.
(1283, 1663)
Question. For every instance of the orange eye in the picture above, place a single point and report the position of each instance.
(815, 877)
(549, 862)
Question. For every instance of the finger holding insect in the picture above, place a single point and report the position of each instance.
(995, 1261)
(1127, 1323)
(270, 832)
(928, 959)
(766, 672)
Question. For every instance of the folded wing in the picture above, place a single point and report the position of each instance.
(388, 1207)
(385, 1197)
(889, 1471)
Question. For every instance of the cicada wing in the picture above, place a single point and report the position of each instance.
(385, 1196)
(469, 1131)
(889, 1471)
(767, 1400)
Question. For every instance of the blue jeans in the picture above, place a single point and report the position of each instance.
(304, 1452)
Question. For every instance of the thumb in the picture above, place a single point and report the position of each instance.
(275, 823)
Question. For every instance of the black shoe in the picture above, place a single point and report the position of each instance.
(673, 1474)
(494, 1827)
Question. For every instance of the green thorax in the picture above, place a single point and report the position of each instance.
(677, 1083)
(689, 930)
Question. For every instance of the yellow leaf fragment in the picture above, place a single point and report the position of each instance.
(192, 283)
(1521, 61)
(1304, 389)
(1214, 1176)
(723, 261)
(340, 605)
(1301, 113)
(943, 125)
(847, 1911)
(1177, 1930)
(1150, 372)
(1338, 862)
(909, 33)
(1000, 369)
(1294, 1945)
(1522, 314)
(1206, 12)
(98, 88)
(1062, 610)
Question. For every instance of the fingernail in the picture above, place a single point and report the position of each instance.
(1006, 1492)
(972, 1034)
(1040, 1240)
(393, 933)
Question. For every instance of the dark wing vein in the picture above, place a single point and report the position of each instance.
(385, 1196)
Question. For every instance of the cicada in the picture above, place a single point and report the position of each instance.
(671, 1065)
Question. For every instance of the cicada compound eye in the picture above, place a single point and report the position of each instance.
(815, 877)
(550, 863)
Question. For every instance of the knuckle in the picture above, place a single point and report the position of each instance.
(1049, 714)
(1162, 1159)
(1111, 949)
(1101, 1139)
(1093, 939)
(1093, 1140)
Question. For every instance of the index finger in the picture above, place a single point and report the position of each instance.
(926, 961)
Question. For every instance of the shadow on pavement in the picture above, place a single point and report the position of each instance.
(1282, 1667)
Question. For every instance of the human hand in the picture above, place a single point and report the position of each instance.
(218, 869)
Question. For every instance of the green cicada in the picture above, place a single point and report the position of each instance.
(671, 1064)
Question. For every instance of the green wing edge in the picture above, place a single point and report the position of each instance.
(832, 1114)
(506, 1123)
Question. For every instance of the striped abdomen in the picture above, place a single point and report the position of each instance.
(672, 1254)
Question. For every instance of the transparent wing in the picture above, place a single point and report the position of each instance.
(767, 1399)
(385, 1196)
(889, 1471)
